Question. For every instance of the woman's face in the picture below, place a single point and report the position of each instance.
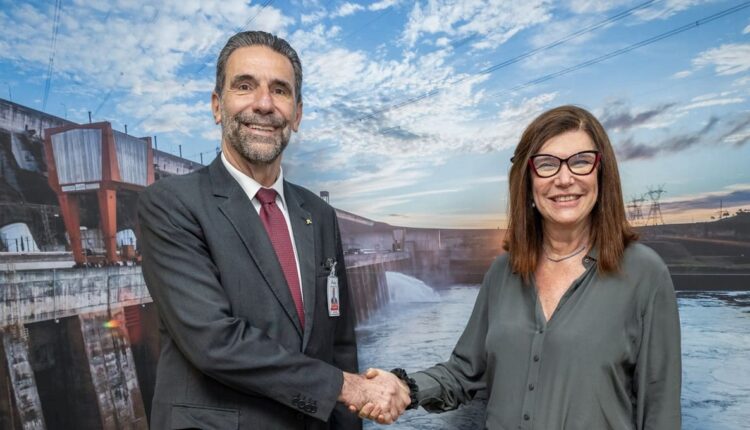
(565, 200)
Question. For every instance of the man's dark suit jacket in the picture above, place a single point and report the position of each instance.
(233, 353)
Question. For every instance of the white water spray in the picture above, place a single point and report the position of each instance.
(404, 289)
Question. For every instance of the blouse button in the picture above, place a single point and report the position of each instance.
(536, 358)
(526, 417)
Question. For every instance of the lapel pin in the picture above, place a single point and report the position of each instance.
(308, 221)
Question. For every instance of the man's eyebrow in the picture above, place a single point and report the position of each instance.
(283, 83)
(247, 77)
(242, 78)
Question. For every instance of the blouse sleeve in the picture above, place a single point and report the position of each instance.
(658, 372)
(447, 385)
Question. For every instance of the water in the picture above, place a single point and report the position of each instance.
(715, 344)
(406, 289)
(715, 360)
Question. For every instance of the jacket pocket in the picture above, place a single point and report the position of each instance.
(204, 418)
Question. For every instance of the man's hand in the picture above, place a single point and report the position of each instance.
(381, 396)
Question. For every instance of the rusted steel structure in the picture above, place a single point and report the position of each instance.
(94, 158)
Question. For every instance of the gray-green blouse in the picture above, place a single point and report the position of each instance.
(609, 357)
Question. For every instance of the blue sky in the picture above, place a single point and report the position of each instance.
(677, 109)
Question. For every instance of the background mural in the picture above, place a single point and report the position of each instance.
(411, 112)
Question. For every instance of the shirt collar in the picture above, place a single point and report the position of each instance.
(250, 185)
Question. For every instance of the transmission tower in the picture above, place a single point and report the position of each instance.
(654, 211)
(634, 209)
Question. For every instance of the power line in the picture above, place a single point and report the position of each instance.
(368, 23)
(104, 100)
(618, 52)
(237, 30)
(615, 53)
(629, 48)
(250, 21)
(55, 31)
(511, 61)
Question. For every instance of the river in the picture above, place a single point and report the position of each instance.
(421, 325)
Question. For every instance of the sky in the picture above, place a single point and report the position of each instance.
(412, 108)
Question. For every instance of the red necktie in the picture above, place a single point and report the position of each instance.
(275, 224)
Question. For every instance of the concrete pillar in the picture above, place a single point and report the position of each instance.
(113, 370)
(108, 222)
(142, 322)
(71, 216)
(27, 414)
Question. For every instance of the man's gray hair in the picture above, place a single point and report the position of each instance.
(253, 38)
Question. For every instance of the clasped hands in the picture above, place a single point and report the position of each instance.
(376, 395)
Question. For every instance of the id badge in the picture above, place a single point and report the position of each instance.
(332, 286)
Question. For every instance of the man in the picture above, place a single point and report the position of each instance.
(240, 264)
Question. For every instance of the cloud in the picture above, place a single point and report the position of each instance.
(731, 196)
(629, 149)
(347, 9)
(682, 74)
(496, 20)
(658, 10)
(487, 180)
(383, 4)
(473, 219)
(728, 59)
(141, 61)
(617, 117)
(388, 175)
(712, 102)
(313, 17)
(739, 133)
(666, 9)
(741, 82)
(374, 206)
(594, 6)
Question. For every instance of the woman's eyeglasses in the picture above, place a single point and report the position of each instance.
(582, 163)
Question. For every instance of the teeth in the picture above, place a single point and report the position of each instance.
(565, 198)
(260, 127)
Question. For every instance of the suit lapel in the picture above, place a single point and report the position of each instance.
(238, 209)
(304, 239)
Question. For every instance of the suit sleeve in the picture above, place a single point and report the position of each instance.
(345, 344)
(658, 370)
(186, 287)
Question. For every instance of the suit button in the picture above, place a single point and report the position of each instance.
(300, 417)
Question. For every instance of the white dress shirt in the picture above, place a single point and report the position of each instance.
(251, 187)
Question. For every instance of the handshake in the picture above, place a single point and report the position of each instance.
(377, 395)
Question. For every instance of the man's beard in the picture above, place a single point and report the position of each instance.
(254, 148)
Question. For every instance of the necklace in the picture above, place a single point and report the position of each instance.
(565, 257)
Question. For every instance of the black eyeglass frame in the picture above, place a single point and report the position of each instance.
(565, 161)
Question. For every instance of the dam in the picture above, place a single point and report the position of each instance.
(78, 337)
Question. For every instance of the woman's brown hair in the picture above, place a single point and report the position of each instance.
(610, 231)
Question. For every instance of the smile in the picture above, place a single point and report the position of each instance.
(566, 198)
(265, 128)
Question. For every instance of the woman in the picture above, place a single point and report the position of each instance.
(576, 327)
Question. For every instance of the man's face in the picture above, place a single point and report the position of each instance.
(257, 107)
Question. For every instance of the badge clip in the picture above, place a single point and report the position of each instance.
(332, 288)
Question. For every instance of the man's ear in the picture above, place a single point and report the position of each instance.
(297, 117)
(216, 107)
